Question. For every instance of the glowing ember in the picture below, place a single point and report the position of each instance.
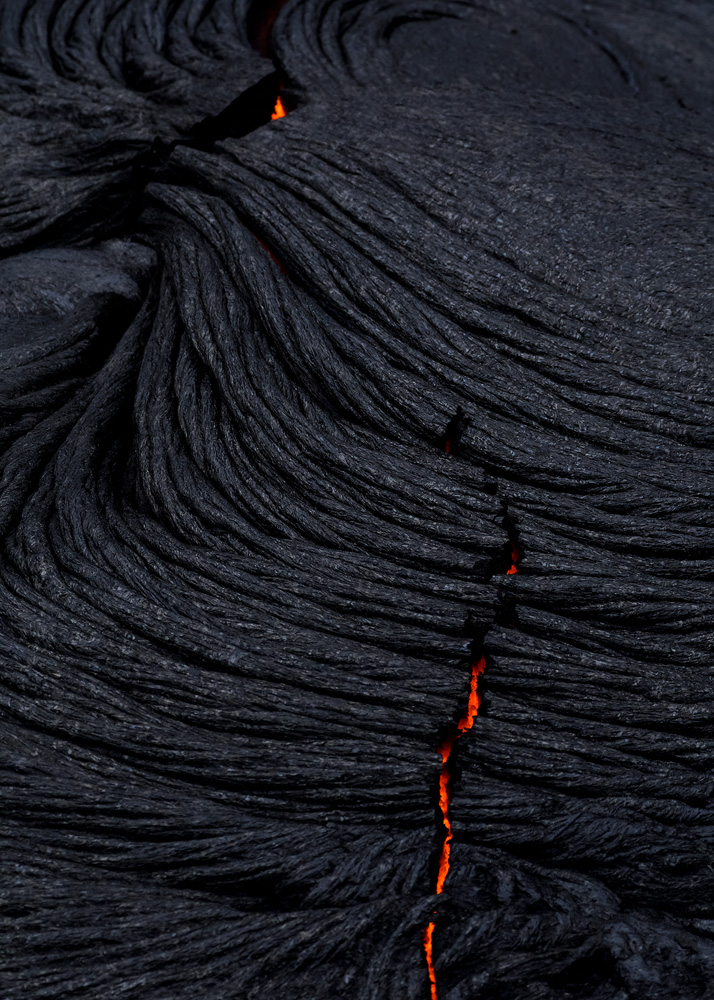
(279, 112)
(514, 564)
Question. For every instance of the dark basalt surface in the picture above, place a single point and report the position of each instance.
(241, 580)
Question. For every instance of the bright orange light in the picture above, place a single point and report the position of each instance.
(428, 934)
(466, 722)
(279, 112)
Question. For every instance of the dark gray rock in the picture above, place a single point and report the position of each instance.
(242, 582)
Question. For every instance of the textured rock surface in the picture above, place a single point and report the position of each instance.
(241, 580)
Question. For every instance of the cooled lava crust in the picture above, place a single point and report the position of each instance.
(356, 403)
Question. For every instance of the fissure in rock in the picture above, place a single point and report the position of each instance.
(465, 723)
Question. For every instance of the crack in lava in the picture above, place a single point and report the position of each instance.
(464, 723)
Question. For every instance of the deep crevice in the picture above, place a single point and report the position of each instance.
(252, 109)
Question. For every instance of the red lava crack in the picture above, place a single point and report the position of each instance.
(464, 723)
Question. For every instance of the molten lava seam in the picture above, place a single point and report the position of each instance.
(279, 111)
(466, 722)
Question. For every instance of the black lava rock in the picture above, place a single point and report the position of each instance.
(298, 416)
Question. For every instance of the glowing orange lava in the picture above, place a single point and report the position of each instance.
(466, 722)
(279, 112)
(428, 934)
(514, 564)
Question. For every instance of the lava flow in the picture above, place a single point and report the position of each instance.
(466, 722)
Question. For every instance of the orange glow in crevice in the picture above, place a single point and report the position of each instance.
(514, 560)
(465, 723)
(279, 111)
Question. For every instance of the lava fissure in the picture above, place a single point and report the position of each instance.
(465, 723)
(478, 666)
(253, 108)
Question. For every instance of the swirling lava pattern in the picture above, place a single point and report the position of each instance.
(242, 579)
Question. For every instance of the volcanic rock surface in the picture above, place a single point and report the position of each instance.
(279, 401)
